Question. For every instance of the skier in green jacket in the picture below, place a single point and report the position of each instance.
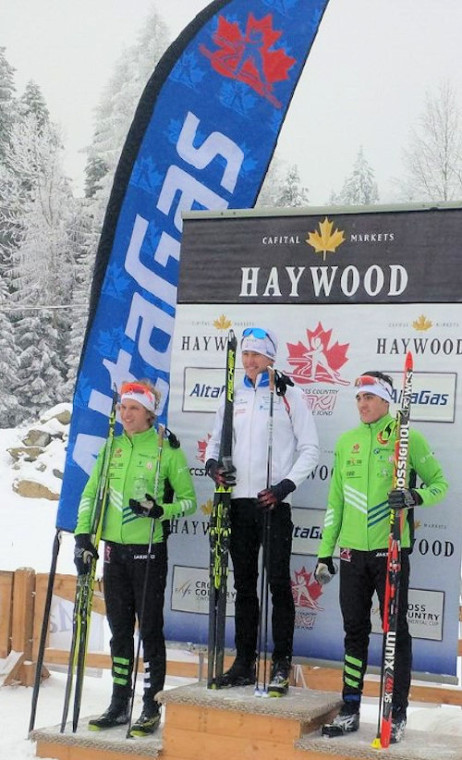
(140, 490)
(357, 518)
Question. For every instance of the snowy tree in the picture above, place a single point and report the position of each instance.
(83, 242)
(7, 103)
(42, 261)
(359, 188)
(9, 407)
(433, 158)
(117, 106)
(33, 102)
(282, 189)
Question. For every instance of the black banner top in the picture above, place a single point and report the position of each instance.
(374, 255)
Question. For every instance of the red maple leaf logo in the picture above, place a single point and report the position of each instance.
(247, 56)
(201, 447)
(305, 591)
(317, 362)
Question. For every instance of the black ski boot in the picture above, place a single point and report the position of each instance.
(345, 722)
(148, 722)
(117, 714)
(241, 673)
(398, 724)
(279, 684)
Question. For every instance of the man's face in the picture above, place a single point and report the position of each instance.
(371, 407)
(134, 417)
(254, 364)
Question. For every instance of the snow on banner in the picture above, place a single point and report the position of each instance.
(202, 138)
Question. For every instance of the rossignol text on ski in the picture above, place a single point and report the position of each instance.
(390, 611)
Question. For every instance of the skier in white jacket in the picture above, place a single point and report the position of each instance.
(295, 453)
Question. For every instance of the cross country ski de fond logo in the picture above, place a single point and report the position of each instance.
(248, 55)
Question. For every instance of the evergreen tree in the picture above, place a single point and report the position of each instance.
(9, 407)
(7, 103)
(42, 262)
(33, 102)
(116, 109)
(433, 158)
(360, 188)
(282, 189)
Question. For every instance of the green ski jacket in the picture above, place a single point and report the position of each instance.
(358, 515)
(132, 470)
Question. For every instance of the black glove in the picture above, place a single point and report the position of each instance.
(271, 497)
(281, 382)
(324, 570)
(223, 476)
(404, 498)
(148, 508)
(84, 553)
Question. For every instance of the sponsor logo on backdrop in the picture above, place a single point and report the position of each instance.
(307, 530)
(317, 359)
(419, 346)
(434, 547)
(425, 614)
(248, 55)
(191, 590)
(306, 592)
(322, 402)
(326, 239)
(204, 387)
(190, 526)
(433, 397)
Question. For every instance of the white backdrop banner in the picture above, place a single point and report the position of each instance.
(345, 293)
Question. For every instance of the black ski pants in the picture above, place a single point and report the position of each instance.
(362, 573)
(124, 579)
(246, 539)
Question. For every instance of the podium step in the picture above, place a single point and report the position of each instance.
(94, 745)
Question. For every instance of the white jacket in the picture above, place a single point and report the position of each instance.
(295, 449)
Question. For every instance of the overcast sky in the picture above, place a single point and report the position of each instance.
(364, 82)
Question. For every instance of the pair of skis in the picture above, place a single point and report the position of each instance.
(220, 532)
(84, 591)
(390, 612)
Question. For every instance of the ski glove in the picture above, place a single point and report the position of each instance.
(225, 477)
(324, 570)
(281, 382)
(271, 497)
(404, 498)
(84, 553)
(148, 508)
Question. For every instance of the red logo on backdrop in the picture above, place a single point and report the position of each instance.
(318, 361)
(247, 56)
(201, 447)
(345, 555)
(306, 591)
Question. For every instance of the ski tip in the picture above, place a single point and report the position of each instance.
(409, 363)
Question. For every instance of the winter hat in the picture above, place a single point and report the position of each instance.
(259, 340)
(140, 393)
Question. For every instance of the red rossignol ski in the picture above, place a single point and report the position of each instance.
(390, 612)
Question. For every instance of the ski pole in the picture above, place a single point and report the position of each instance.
(160, 443)
(44, 628)
(265, 567)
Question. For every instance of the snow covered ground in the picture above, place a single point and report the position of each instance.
(27, 528)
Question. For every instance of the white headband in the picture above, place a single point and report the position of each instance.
(377, 389)
(146, 399)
